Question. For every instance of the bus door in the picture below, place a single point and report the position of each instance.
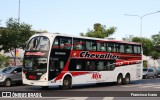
(55, 67)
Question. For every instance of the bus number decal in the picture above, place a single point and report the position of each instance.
(96, 76)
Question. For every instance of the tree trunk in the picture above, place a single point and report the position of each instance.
(15, 57)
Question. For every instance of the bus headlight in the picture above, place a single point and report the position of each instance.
(43, 77)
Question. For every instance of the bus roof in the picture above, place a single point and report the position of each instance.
(83, 37)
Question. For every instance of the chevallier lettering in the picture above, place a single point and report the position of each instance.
(86, 54)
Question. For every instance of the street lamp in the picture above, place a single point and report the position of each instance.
(19, 9)
(141, 18)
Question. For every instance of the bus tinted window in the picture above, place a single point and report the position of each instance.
(78, 44)
(110, 66)
(38, 43)
(111, 47)
(129, 49)
(119, 47)
(91, 45)
(94, 46)
(65, 43)
(62, 43)
(76, 65)
(88, 45)
(100, 66)
(101, 46)
(137, 49)
(91, 65)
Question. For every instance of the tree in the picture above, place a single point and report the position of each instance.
(147, 44)
(99, 31)
(156, 41)
(4, 61)
(14, 35)
(155, 54)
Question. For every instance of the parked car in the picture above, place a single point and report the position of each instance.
(10, 75)
(158, 71)
(149, 72)
(145, 73)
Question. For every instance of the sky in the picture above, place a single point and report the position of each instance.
(75, 16)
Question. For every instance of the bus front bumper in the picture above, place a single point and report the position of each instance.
(35, 82)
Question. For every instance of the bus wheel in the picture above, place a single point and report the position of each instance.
(126, 80)
(66, 83)
(119, 80)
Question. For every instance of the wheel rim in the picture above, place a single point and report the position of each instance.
(8, 83)
(66, 82)
(127, 79)
(120, 80)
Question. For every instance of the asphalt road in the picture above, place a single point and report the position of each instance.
(145, 89)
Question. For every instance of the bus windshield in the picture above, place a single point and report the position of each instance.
(35, 64)
(38, 43)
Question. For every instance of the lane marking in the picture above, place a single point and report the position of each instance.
(108, 98)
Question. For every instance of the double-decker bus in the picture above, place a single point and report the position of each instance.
(62, 60)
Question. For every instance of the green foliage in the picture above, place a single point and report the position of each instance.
(156, 41)
(156, 46)
(99, 31)
(151, 47)
(14, 35)
(145, 63)
(4, 61)
(147, 44)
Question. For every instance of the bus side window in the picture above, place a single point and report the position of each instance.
(101, 46)
(88, 45)
(78, 47)
(100, 66)
(110, 66)
(94, 46)
(111, 47)
(90, 66)
(122, 48)
(137, 49)
(129, 49)
(78, 44)
(65, 43)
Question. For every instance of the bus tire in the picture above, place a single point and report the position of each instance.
(66, 83)
(126, 80)
(119, 80)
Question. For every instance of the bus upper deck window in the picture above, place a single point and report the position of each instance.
(102, 48)
(78, 47)
(94, 48)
